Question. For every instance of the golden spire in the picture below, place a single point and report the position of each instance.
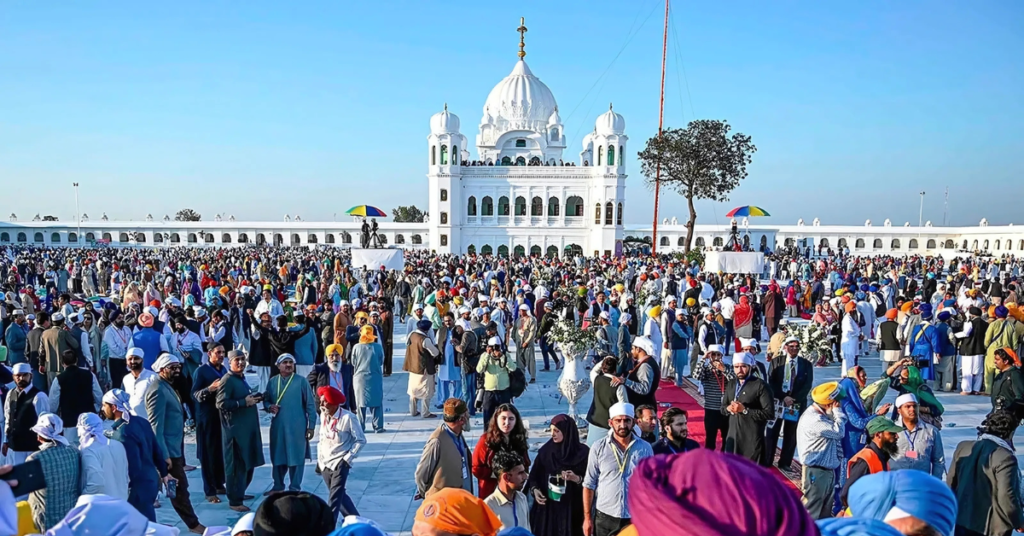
(522, 33)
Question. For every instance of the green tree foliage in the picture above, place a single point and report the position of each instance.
(701, 161)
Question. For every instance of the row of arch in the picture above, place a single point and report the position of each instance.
(520, 251)
(611, 155)
(208, 238)
(573, 206)
(444, 155)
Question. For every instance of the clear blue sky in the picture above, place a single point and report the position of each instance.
(258, 109)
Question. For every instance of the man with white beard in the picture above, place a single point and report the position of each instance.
(328, 373)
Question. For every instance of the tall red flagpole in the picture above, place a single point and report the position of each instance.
(661, 120)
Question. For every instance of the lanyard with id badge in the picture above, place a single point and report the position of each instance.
(462, 452)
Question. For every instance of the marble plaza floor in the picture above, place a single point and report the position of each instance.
(381, 482)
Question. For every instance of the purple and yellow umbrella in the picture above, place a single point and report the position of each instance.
(747, 210)
(366, 211)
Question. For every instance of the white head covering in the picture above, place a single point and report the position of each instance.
(625, 318)
(644, 344)
(343, 302)
(494, 341)
(50, 426)
(285, 357)
(747, 343)
(22, 368)
(605, 315)
(716, 348)
(17, 312)
(791, 339)
(742, 358)
(905, 398)
(619, 409)
(163, 362)
(244, 523)
(135, 351)
(680, 312)
(90, 430)
(417, 306)
(120, 400)
(103, 515)
(174, 301)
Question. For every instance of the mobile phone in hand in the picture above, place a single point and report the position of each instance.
(29, 476)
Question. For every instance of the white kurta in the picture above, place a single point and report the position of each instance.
(850, 342)
(105, 469)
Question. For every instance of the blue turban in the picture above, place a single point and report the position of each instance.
(931, 275)
(914, 492)
(926, 314)
(861, 295)
(424, 325)
(873, 288)
(853, 526)
(944, 315)
(515, 531)
(863, 288)
(1002, 312)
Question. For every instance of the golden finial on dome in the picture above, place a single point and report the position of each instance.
(522, 35)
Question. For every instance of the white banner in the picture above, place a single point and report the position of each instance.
(373, 259)
(732, 262)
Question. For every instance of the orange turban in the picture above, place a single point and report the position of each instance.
(907, 306)
(891, 314)
(458, 511)
(366, 334)
(850, 306)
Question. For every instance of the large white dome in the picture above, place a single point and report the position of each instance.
(520, 96)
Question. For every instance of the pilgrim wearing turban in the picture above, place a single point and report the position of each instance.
(850, 336)
(367, 358)
(456, 511)
(104, 462)
(421, 360)
(705, 493)
(1000, 334)
(748, 400)
(887, 338)
(905, 499)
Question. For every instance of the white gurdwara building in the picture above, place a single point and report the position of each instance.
(520, 196)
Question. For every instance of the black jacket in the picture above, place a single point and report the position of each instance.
(799, 385)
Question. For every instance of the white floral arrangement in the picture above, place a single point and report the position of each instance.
(813, 339)
(572, 339)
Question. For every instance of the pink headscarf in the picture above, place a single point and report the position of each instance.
(706, 493)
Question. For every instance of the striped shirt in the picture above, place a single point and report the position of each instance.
(713, 382)
(819, 437)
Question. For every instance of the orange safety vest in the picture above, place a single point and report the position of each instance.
(868, 455)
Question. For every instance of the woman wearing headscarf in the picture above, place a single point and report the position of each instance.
(104, 462)
(857, 417)
(705, 493)
(742, 318)
(367, 360)
(904, 378)
(562, 461)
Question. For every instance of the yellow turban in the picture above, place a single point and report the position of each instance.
(619, 288)
(823, 393)
(332, 348)
(690, 302)
(362, 314)
(655, 311)
(367, 335)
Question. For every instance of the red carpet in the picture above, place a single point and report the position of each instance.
(690, 400)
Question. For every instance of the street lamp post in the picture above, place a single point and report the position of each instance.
(920, 215)
(78, 213)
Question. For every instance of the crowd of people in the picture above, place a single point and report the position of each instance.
(114, 356)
